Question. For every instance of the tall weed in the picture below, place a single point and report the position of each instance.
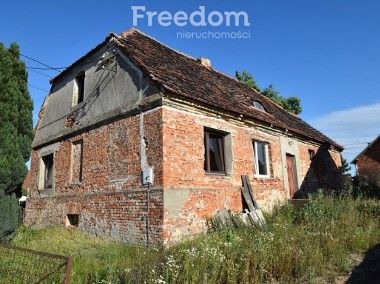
(298, 245)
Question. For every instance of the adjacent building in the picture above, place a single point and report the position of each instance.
(367, 163)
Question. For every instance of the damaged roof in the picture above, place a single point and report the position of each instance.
(188, 77)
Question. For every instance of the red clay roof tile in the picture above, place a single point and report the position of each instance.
(186, 76)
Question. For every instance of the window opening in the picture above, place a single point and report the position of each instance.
(258, 106)
(214, 152)
(79, 88)
(311, 154)
(48, 161)
(72, 220)
(261, 159)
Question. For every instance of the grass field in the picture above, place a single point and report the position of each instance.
(298, 246)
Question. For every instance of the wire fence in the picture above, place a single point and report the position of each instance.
(20, 265)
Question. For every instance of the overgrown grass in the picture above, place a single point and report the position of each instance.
(298, 245)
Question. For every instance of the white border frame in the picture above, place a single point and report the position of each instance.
(257, 175)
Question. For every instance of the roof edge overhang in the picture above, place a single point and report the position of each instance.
(116, 38)
(328, 142)
(242, 119)
(354, 161)
(109, 38)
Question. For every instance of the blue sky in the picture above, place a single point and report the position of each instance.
(325, 52)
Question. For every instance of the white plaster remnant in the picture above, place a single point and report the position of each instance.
(143, 157)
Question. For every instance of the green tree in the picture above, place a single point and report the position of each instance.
(345, 167)
(247, 79)
(291, 104)
(16, 134)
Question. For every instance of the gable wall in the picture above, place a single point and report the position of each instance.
(368, 164)
(111, 87)
(110, 200)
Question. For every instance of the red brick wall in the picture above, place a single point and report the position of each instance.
(116, 215)
(110, 159)
(110, 200)
(153, 134)
(77, 161)
(200, 195)
(26, 182)
(369, 162)
(198, 206)
(184, 153)
(33, 173)
(321, 171)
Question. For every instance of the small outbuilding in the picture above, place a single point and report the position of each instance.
(367, 163)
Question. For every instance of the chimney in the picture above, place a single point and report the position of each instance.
(205, 62)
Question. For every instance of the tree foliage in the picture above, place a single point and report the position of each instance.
(345, 167)
(291, 104)
(247, 79)
(16, 134)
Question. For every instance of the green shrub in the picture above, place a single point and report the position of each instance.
(10, 216)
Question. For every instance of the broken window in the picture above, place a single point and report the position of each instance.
(48, 161)
(214, 152)
(261, 159)
(78, 95)
(311, 154)
(77, 161)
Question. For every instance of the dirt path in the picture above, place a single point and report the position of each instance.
(366, 268)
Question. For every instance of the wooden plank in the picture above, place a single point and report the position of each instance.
(257, 218)
(255, 215)
(247, 184)
(251, 192)
(248, 199)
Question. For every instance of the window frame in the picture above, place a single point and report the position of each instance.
(48, 161)
(256, 159)
(207, 165)
(257, 105)
(79, 83)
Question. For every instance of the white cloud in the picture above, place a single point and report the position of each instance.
(352, 128)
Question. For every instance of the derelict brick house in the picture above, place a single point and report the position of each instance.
(132, 105)
(367, 163)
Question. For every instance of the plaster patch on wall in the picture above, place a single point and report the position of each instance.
(174, 200)
(143, 157)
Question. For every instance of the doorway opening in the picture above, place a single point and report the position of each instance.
(291, 170)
